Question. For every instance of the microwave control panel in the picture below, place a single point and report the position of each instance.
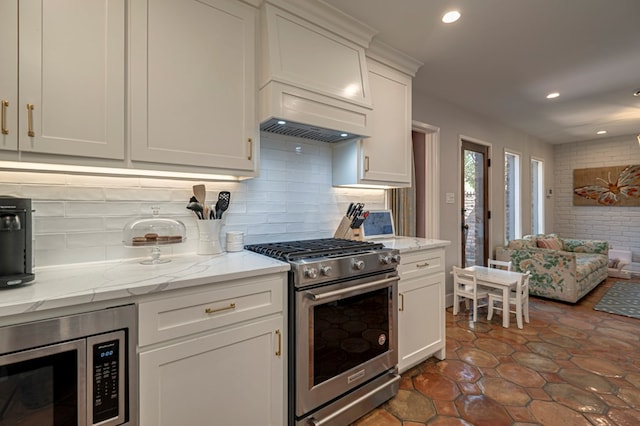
(108, 368)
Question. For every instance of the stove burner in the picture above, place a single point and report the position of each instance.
(308, 249)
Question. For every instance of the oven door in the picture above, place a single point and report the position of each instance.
(346, 335)
(44, 386)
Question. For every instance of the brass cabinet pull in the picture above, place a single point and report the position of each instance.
(401, 302)
(422, 265)
(279, 351)
(250, 140)
(30, 131)
(366, 163)
(226, 308)
(5, 104)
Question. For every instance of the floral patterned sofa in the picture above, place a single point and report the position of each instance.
(561, 268)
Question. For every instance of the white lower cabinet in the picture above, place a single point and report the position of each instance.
(223, 362)
(421, 316)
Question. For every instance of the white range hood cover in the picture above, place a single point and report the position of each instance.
(314, 71)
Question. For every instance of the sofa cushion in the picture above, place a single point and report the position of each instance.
(521, 244)
(586, 246)
(551, 242)
(588, 263)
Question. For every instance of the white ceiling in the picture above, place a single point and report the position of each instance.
(503, 57)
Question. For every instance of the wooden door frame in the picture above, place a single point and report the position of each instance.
(487, 201)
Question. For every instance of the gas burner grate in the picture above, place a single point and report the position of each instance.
(307, 249)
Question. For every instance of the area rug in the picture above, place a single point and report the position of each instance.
(622, 298)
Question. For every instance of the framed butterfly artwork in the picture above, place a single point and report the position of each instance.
(607, 186)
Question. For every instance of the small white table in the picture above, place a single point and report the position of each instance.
(500, 279)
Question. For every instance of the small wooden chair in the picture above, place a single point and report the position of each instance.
(491, 263)
(518, 298)
(465, 286)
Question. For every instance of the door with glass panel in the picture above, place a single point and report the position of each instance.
(475, 205)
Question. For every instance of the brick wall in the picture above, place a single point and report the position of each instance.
(618, 225)
(80, 218)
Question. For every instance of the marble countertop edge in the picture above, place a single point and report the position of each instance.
(84, 284)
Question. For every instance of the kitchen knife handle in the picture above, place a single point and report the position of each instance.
(366, 163)
(250, 141)
(5, 104)
(279, 351)
(30, 131)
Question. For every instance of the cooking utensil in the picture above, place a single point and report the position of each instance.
(196, 207)
(224, 197)
(200, 192)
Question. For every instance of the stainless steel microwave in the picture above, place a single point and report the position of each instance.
(72, 370)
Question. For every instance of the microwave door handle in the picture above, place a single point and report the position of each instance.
(365, 286)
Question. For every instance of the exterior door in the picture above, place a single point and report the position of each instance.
(475, 209)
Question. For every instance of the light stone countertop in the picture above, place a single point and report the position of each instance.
(409, 244)
(102, 283)
(118, 282)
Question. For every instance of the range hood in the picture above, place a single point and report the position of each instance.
(306, 131)
(314, 78)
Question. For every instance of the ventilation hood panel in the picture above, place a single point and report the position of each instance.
(306, 131)
(314, 71)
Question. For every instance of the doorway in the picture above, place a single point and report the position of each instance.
(475, 203)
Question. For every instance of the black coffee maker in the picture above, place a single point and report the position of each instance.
(16, 265)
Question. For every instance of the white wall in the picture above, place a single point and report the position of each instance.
(454, 123)
(618, 225)
(80, 218)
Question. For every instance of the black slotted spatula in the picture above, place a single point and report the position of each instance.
(224, 197)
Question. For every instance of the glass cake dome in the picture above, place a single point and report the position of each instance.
(153, 232)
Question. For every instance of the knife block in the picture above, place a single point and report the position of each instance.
(345, 231)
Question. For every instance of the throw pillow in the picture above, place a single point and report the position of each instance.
(521, 244)
(550, 243)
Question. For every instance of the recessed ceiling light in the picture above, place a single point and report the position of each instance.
(553, 95)
(451, 16)
(636, 93)
(601, 132)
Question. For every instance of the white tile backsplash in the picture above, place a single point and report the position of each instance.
(80, 218)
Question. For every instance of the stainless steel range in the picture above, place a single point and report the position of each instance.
(343, 330)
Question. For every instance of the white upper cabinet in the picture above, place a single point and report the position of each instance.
(314, 68)
(9, 74)
(193, 84)
(384, 159)
(71, 90)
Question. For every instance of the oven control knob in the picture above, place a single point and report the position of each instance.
(385, 260)
(358, 265)
(311, 273)
(395, 258)
(325, 270)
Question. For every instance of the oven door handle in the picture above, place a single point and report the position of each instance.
(365, 286)
(333, 415)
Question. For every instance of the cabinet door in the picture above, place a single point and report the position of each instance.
(386, 155)
(230, 377)
(193, 91)
(420, 318)
(72, 71)
(9, 74)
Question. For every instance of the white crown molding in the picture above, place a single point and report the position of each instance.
(329, 18)
(393, 57)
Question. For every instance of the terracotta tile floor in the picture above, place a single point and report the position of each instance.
(569, 366)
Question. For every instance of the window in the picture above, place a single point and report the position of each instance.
(537, 196)
(512, 210)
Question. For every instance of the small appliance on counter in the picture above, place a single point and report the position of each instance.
(153, 232)
(16, 262)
